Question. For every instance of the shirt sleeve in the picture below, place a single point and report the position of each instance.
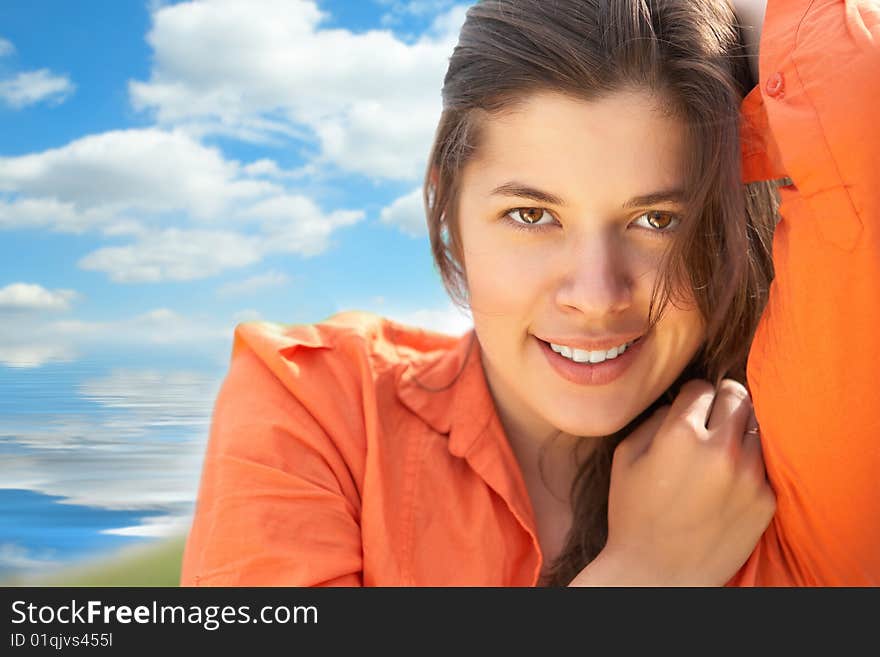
(277, 503)
(815, 361)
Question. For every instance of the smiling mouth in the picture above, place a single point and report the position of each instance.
(599, 370)
(591, 357)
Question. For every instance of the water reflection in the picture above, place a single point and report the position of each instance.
(94, 458)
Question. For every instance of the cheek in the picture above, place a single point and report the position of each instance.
(685, 331)
(497, 290)
(502, 275)
(643, 260)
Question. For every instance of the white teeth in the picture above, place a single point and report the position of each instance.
(580, 356)
(598, 356)
(584, 356)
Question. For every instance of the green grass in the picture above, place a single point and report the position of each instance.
(157, 564)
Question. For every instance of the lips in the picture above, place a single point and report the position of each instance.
(590, 373)
(591, 356)
(577, 342)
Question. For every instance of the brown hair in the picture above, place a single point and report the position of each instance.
(689, 54)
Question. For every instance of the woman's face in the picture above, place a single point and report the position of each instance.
(562, 245)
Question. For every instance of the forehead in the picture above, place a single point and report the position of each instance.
(623, 143)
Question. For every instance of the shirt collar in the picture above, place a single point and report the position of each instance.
(448, 391)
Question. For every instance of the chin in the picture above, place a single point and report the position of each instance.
(594, 427)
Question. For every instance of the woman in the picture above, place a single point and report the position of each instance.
(585, 202)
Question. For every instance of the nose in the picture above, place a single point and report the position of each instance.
(594, 278)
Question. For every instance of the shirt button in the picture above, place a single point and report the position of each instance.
(775, 86)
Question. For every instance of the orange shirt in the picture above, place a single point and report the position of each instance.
(349, 453)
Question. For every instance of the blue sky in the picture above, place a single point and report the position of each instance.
(195, 164)
(169, 169)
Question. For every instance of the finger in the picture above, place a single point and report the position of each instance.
(751, 448)
(693, 404)
(752, 426)
(639, 441)
(752, 453)
(730, 410)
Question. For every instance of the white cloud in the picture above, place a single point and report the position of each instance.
(451, 21)
(287, 224)
(125, 227)
(175, 255)
(136, 182)
(50, 213)
(6, 47)
(449, 320)
(269, 169)
(147, 170)
(248, 315)
(445, 319)
(407, 213)
(30, 297)
(30, 341)
(263, 167)
(157, 327)
(32, 87)
(264, 68)
(417, 7)
(253, 284)
(294, 224)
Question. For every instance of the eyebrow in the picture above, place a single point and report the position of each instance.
(654, 198)
(541, 196)
(524, 191)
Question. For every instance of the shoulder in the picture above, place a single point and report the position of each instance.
(328, 390)
(343, 371)
(357, 342)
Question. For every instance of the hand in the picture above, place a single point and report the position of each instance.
(689, 497)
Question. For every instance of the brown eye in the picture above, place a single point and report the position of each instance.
(660, 220)
(530, 215)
